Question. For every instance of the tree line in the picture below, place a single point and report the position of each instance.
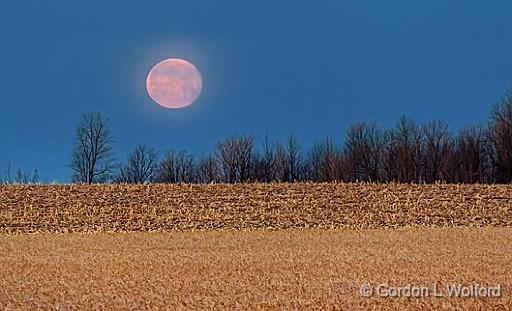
(408, 152)
(19, 176)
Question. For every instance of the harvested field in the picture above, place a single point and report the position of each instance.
(290, 269)
(114, 208)
(212, 248)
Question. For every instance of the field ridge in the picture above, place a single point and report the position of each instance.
(182, 207)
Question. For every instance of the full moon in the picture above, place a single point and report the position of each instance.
(174, 83)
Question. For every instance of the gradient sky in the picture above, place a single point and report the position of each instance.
(310, 68)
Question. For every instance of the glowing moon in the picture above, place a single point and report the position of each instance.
(174, 83)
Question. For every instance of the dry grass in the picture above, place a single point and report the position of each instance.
(107, 208)
(213, 249)
(291, 269)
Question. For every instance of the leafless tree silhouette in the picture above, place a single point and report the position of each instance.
(500, 138)
(140, 167)
(405, 151)
(293, 159)
(265, 162)
(176, 167)
(472, 156)
(325, 162)
(438, 145)
(408, 152)
(235, 157)
(92, 160)
(207, 169)
(364, 148)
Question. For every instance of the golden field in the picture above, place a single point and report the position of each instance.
(252, 270)
(251, 246)
(113, 208)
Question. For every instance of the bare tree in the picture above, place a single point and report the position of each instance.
(140, 167)
(227, 156)
(176, 167)
(500, 138)
(207, 169)
(266, 161)
(364, 152)
(472, 156)
(281, 169)
(244, 158)
(235, 157)
(293, 159)
(324, 162)
(92, 155)
(438, 142)
(289, 166)
(405, 151)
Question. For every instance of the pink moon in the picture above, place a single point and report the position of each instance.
(174, 83)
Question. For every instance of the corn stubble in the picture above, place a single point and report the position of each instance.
(114, 208)
(250, 246)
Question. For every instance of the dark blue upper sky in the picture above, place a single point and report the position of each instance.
(310, 68)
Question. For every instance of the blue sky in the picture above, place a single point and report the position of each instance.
(311, 68)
